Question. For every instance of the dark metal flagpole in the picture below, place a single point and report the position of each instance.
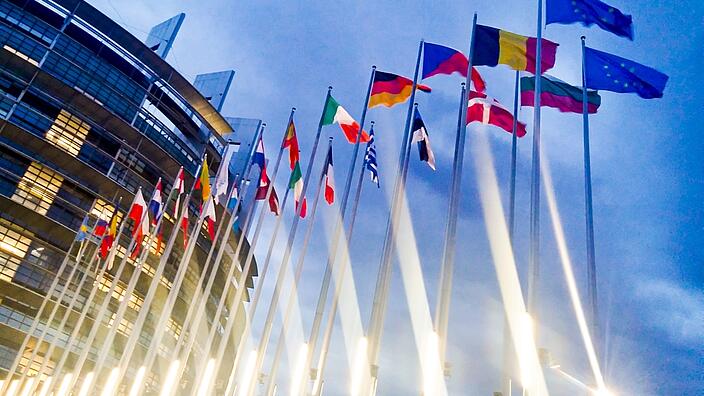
(383, 277)
(270, 387)
(327, 335)
(327, 277)
(589, 216)
(443, 308)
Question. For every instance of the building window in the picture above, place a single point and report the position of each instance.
(20, 54)
(8, 266)
(13, 239)
(173, 328)
(125, 326)
(104, 210)
(119, 292)
(38, 188)
(68, 132)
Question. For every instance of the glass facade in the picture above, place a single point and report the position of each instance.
(83, 125)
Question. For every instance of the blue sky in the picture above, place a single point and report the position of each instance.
(647, 176)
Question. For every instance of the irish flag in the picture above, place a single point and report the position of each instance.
(296, 183)
(336, 114)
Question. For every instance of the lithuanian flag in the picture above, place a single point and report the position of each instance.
(494, 46)
(389, 89)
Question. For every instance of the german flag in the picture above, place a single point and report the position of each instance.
(389, 89)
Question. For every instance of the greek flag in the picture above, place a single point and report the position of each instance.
(370, 159)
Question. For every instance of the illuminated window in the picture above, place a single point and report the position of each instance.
(173, 328)
(14, 239)
(8, 266)
(119, 292)
(103, 210)
(68, 132)
(20, 54)
(125, 326)
(38, 188)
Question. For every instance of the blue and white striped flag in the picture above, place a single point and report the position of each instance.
(370, 158)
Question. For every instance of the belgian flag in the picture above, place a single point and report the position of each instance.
(494, 46)
(389, 89)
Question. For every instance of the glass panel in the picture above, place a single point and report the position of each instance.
(68, 132)
(37, 188)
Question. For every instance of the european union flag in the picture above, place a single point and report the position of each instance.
(616, 74)
(589, 12)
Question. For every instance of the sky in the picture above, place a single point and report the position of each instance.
(648, 181)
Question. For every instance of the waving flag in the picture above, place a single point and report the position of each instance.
(329, 179)
(438, 59)
(184, 224)
(420, 136)
(223, 177)
(100, 227)
(370, 159)
(179, 186)
(494, 46)
(291, 142)
(209, 214)
(489, 111)
(260, 160)
(109, 238)
(557, 94)
(613, 73)
(155, 205)
(82, 233)
(334, 113)
(138, 214)
(389, 89)
(296, 183)
(589, 12)
(203, 182)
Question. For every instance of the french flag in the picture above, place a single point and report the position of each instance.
(329, 179)
(139, 215)
(155, 205)
(438, 59)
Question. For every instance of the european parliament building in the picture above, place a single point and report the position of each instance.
(89, 114)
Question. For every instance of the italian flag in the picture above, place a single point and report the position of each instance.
(296, 183)
(329, 179)
(334, 113)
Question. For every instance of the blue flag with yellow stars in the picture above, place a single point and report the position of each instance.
(589, 12)
(613, 73)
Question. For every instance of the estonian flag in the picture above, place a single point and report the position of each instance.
(420, 136)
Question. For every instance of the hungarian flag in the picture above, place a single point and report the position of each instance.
(420, 136)
(291, 143)
(138, 214)
(155, 204)
(389, 89)
(489, 111)
(209, 214)
(438, 59)
(334, 113)
(259, 159)
(179, 186)
(329, 179)
(296, 183)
